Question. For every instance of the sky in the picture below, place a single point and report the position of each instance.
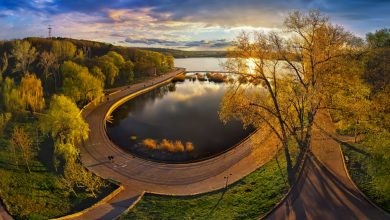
(178, 24)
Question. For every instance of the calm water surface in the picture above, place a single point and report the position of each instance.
(185, 111)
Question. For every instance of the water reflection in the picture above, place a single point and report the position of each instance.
(184, 111)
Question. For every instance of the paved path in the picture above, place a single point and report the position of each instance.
(324, 190)
(3, 213)
(138, 175)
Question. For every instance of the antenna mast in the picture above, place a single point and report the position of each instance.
(50, 28)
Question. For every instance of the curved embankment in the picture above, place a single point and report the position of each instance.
(138, 175)
(324, 190)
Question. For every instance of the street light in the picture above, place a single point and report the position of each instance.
(227, 179)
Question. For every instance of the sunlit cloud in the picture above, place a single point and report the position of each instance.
(184, 24)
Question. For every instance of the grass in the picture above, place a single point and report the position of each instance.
(360, 164)
(248, 198)
(36, 195)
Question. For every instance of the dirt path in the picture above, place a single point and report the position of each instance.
(324, 190)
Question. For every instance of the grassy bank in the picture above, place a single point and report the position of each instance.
(248, 198)
(37, 195)
(369, 172)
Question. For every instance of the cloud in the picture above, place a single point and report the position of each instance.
(203, 44)
(175, 23)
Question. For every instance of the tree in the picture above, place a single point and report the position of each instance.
(377, 75)
(349, 102)
(77, 177)
(48, 64)
(108, 68)
(4, 65)
(4, 119)
(24, 54)
(292, 85)
(31, 93)
(65, 125)
(379, 39)
(127, 71)
(79, 84)
(63, 50)
(116, 58)
(21, 141)
(97, 72)
(10, 96)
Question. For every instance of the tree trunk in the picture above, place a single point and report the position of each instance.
(290, 172)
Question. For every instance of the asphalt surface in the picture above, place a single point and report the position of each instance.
(138, 175)
(324, 190)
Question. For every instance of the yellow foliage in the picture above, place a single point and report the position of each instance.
(150, 143)
(179, 147)
(165, 144)
(189, 146)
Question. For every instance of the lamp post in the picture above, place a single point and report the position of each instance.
(227, 180)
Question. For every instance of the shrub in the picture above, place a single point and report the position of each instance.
(179, 147)
(150, 143)
(189, 146)
(216, 77)
(179, 78)
(167, 145)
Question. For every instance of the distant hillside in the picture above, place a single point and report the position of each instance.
(101, 48)
(184, 54)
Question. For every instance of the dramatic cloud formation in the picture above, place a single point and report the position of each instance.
(188, 24)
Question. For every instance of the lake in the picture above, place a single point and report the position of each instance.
(177, 122)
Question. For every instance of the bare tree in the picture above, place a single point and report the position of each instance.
(21, 141)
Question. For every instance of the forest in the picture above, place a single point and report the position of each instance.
(44, 82)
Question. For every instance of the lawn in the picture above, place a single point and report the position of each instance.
(36, 195)
(248, 198)
(363, 167)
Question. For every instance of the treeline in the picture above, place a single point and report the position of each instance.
(187, 54)
(43, 84)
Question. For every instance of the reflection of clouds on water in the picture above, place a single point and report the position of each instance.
(197, 89)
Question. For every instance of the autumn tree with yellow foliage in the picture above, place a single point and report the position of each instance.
(293, 85)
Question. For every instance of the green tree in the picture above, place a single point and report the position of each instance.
(22, 142)
(116, 58)
(65, 125)
(24, 54)
(379, 39)
(79, 84)
(127, 71)
(5, 117)
(63, 50)
(76, 177)
(31, 93)
(377, 76)
(10, 96)
(97, 72)
(4, 65)
(108, 68)
(291, 88)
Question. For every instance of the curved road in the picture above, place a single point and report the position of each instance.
(138, 175)
(324, 190)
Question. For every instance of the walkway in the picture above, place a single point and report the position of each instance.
(138, 175)
(324, 190)
(3, 213)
